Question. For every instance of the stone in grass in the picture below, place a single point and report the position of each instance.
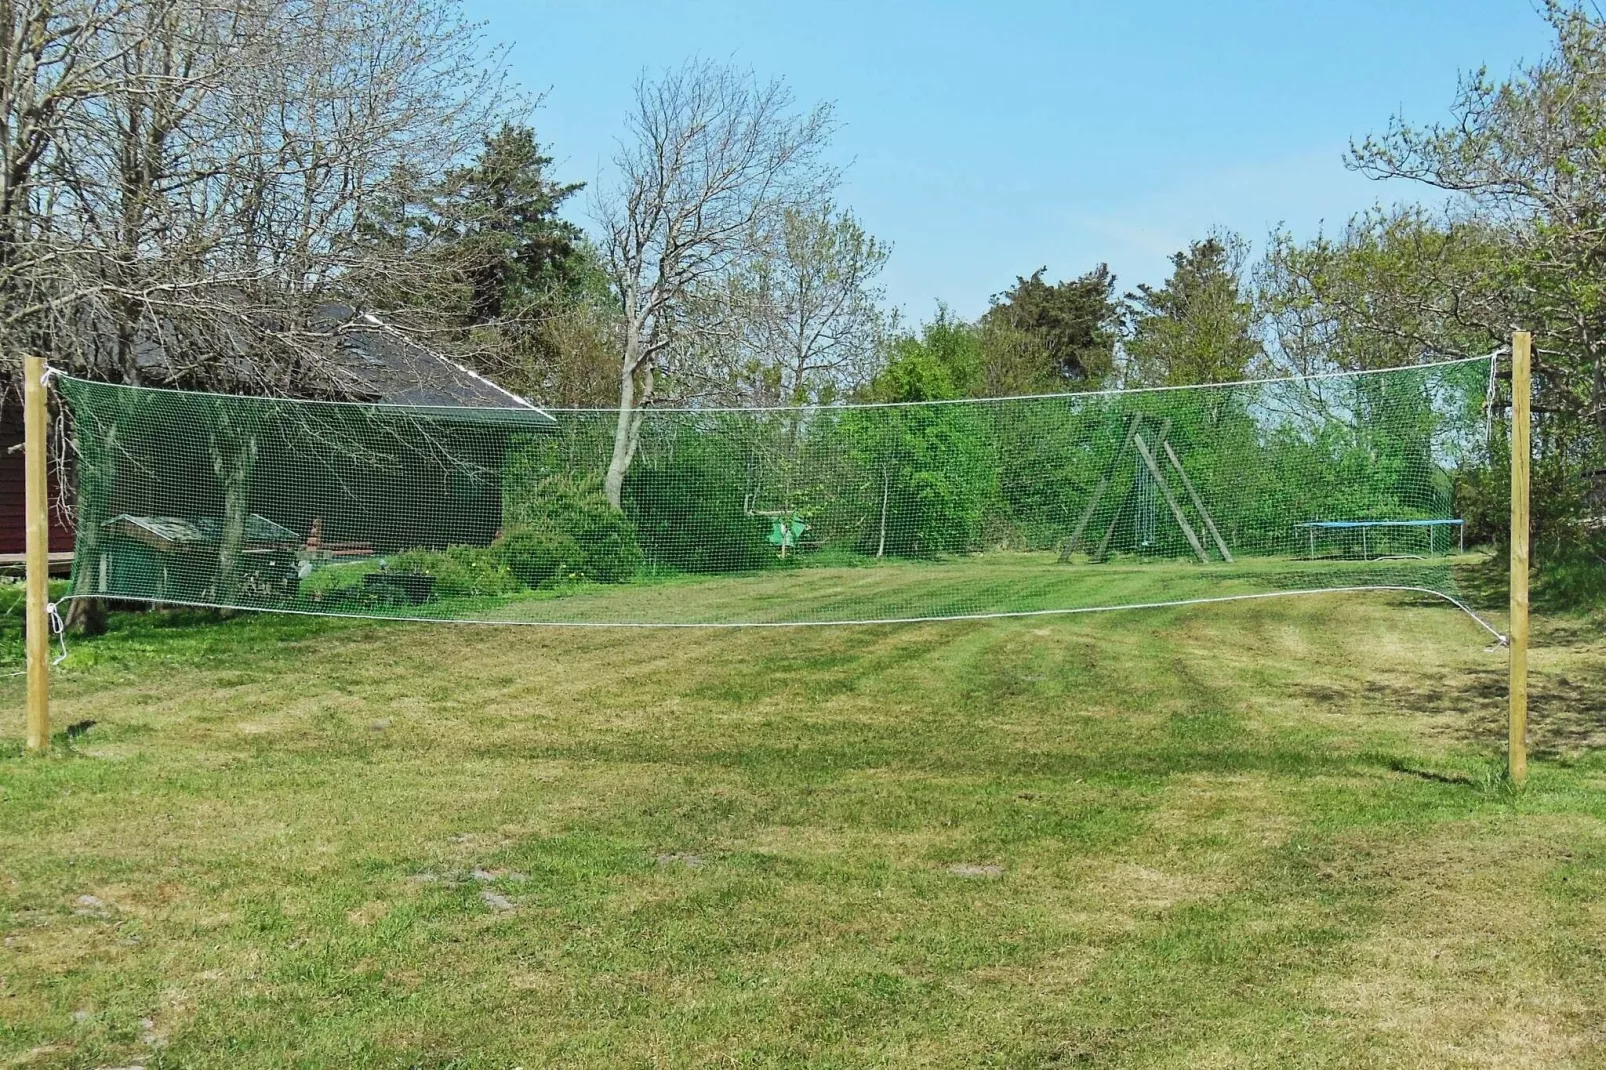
(90, 905)
(497, 901)
(974, 870)
(679, 858)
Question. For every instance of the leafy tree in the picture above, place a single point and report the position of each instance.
(1393, 288)
(1199, 326)
(1070, 328)
(1526, 158)
(945, 361)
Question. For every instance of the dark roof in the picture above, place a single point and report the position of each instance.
(382, 364)
(370, 360)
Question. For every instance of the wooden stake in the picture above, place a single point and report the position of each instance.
(1521, 451)
(1170, 499)
(1198, 502)
(36, 503)
(886, 489)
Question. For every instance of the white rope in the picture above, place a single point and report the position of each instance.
(844, 407)
(1485, 625)
(1492, 396)
(58, 626)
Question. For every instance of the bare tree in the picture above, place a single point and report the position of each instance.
(711, 162)
(184, 185)
(808, 316)
(195, 174)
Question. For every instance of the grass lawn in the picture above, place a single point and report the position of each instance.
(1252, 834)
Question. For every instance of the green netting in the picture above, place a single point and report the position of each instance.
(776, 516)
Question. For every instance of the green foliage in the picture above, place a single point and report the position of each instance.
(931, 470)
(945, 362)
(538, 555)
(457, 570)
(1526, 247)
(1198, 327)
(561, 527)
(1573, 573)
(688, 495)
(1394, 286)
(502, 210)
(336, 582)
(1073, 326)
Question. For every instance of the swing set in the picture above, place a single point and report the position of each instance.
(1150, 459)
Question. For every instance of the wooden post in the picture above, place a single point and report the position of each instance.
(886, 489)
(36, 503)
(1521, 452)
(1132, 426)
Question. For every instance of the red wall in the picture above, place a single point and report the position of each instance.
(13, 522)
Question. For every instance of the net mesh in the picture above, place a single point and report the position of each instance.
(820, 514)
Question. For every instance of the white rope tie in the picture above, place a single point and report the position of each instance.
(1492, 396)
(50, 372)
(58, 626)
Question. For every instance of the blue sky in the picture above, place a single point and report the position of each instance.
(986, 139)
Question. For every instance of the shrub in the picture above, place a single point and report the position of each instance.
(687, 501)
(562, 527)
(458, 570)
(340, 584)
(537, 555)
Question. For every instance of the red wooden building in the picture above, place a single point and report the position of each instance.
(13, 521)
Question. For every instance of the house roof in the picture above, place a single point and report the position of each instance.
(371, 361)
(381, 363)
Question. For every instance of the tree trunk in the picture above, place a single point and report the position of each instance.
(234, 456)
(86, 616)
(613, 485)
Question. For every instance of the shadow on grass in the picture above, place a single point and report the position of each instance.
(1566, 711)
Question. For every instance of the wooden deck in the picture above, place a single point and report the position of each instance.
(16, 564)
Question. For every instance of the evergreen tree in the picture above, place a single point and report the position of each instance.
(501, 215)
(1073, 324)
(1199, 326)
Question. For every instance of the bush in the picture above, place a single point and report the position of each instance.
(458, 570)
(687, 499)
(340, 584)
(562, 527)
(537, 555)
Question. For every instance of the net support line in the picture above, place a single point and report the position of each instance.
(938, 619)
